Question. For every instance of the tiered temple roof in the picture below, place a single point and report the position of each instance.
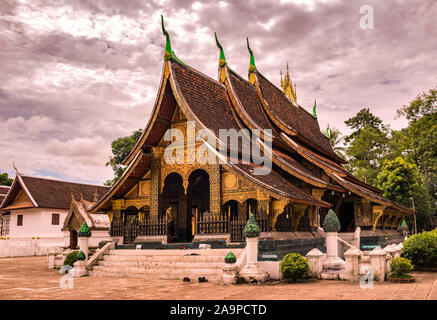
(232, 102)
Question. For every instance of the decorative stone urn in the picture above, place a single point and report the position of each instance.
(252, 271)
(84, 234)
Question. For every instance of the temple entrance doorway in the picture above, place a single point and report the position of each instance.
(346, 216)
(73, 239)
(174, 203)
(197, 201)
(130, 221)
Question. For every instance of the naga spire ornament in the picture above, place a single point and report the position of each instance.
(222, 60)
(168, 52)
(314, 109)
(252, 66)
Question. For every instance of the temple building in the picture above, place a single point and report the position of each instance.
(157, 200)
(35, 208)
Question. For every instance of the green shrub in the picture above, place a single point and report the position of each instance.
(331, 223)
(71, 258)
(401, 266)
(230, 258)
(421, 249)
(294, 266)
(80, 256)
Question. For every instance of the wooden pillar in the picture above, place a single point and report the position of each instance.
(377, 212)
(155, 182)
(277, 208)
(215, 189)
(298, 213)
(314, 210)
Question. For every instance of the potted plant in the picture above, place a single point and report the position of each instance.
(230, 270)
(400, 268)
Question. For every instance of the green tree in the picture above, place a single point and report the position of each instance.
(400, 181)
(364, 119)
(420, 137)
(367, 145)
(120, 150)
(336, 141)
(5, 180)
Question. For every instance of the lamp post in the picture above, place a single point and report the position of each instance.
(414, 208)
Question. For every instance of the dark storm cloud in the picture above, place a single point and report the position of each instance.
(75, 75)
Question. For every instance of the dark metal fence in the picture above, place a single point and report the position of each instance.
(153, 226)
(236, 226)
(208, 223)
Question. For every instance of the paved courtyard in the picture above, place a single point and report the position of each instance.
(29, 278)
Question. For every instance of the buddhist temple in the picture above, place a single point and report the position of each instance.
(198, 201)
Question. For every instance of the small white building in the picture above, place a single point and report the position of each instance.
(4, 215)
(37, 208)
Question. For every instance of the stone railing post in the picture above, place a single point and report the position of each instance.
(252, 272)
(315, 259)
(83, 245)
(378, 263)
(352, 257)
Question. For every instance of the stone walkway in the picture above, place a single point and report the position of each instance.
(29, 278)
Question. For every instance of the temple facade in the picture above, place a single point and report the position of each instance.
(180, 187)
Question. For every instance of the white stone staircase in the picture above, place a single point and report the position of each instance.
(163, 264)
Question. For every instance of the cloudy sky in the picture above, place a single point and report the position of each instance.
(74, 75)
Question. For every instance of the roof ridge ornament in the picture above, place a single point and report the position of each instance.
(314, 109)
(328, 132)
(222, 59)
(169, 53)
(252, 66)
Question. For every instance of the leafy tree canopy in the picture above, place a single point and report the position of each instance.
(5, 180)
(401, 181)
(120, 150)
(364, 119)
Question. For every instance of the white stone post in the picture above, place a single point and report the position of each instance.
(378, 263)
(390, 250)
(229, 275)
(83, 245)
(398, 250)
(252, 272)
(352, 269)
(357, 237)
(315, 259)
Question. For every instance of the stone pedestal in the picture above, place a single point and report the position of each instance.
(230, 274)
(332, 257)
(352, 267)
(79, 269)
(398, 249)
(315, 259)
(378, 263)
(252, 271)
(83, 245)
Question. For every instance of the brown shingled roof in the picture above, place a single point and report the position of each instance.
(294, 117)
(49, 193)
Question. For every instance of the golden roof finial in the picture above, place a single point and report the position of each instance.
(287, 85)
